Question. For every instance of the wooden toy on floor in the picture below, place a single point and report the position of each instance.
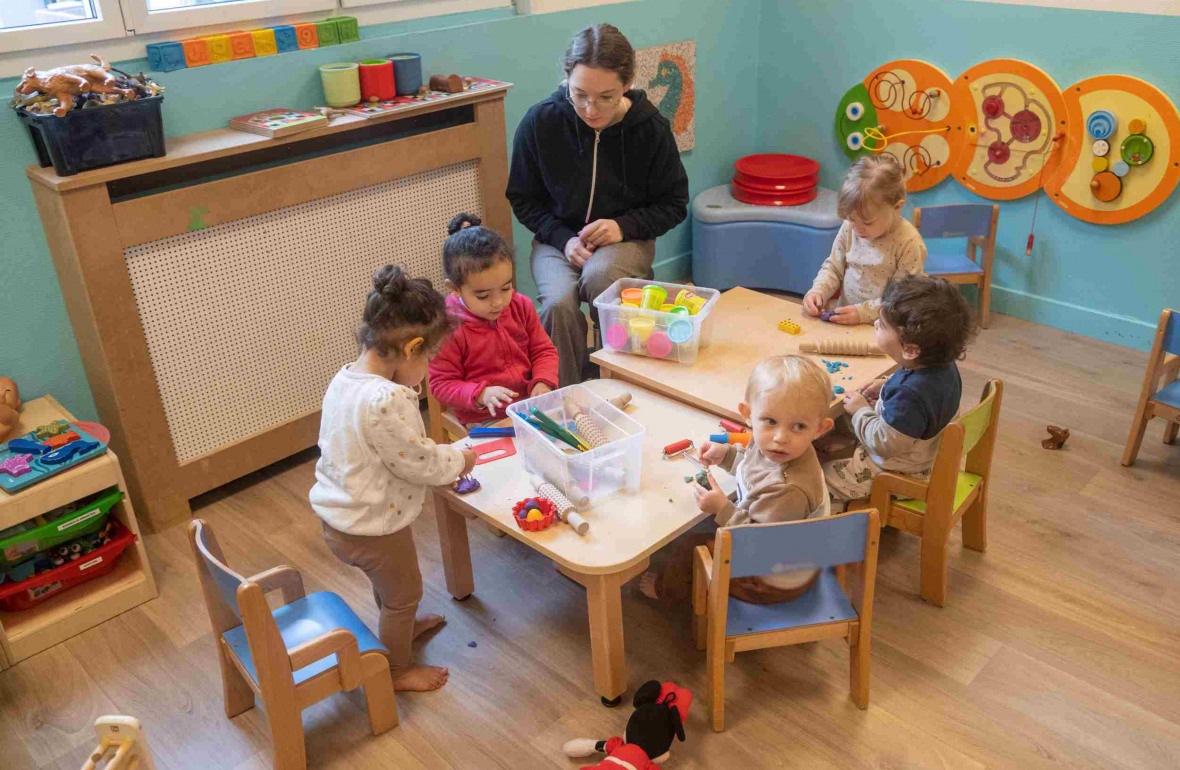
(125, 737)
(840, 347)
(1057, 437)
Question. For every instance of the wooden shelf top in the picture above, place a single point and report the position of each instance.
(81, 480)
(210, 145)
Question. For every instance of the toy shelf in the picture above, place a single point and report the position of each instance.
(77, 609)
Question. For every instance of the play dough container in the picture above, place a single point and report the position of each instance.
(670, 332)
(584, 477)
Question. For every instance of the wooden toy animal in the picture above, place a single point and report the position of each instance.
(64, 83)
(9, 406)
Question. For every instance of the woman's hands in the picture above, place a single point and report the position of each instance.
(577, 252)
(601, 232)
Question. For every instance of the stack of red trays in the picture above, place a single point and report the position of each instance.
(773, 179)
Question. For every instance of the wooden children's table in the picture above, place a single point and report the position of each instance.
(625, 529)
(744, 331)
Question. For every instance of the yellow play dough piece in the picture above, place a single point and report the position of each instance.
(534, 515)
(1099, 164)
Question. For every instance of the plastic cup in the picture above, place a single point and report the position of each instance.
(653, 297)
(342, 83)
(658, 345)
(616, 336)
(680, 331)
(641, 330)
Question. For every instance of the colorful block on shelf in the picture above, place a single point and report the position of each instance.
(220, 49)
(327, 33)
(347, 28)
(264, 42)
(286, 39)
(196, 52)
(166, 57)
(307, 35)
(242, 45)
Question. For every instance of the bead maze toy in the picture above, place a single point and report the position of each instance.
(839, 347)
(26, 460)
(124, 736)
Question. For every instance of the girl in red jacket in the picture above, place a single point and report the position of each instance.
(500, 354)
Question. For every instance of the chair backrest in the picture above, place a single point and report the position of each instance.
(211, 562)
(1170, 320)
(976, 421)
(969, 220)
(765, 549)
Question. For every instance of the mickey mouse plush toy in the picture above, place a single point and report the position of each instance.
(660, 711)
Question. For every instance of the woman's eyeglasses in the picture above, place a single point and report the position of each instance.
(585, 102)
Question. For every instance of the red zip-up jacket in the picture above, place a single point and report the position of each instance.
(513, 352)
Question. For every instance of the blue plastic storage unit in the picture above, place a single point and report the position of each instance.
(760, 247)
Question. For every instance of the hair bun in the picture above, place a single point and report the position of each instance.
(459, 221)
(390, 281)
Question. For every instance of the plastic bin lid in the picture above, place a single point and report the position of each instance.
(717, 204)
(773, 165)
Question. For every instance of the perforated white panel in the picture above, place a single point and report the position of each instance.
(247, 321)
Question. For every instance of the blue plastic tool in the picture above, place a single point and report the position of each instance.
(492, 432)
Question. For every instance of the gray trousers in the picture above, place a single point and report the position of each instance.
(562, 288)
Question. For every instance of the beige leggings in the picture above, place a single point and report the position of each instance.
(391, 564)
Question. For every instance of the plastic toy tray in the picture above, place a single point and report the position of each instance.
(27, 593)
(38, 469)
(20, 542)
(654, 333)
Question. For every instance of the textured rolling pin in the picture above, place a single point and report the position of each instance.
(565, 509)
(839, 347)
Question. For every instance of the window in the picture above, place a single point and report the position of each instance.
(26, 24)
(164, 15)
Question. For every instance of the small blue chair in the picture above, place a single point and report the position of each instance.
(843, 548)
(977, 223)
(1155, 401)
(311, 647)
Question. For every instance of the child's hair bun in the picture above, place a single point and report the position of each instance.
(390, 282)
(459, 221)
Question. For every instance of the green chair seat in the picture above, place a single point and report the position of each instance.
(963, 488)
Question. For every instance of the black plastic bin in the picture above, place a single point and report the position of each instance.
(98, 136)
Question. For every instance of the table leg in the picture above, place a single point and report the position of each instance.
(604, 601)
(456, 552)
(605, 374)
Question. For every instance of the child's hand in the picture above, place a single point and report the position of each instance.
(713, 501)
(813, 304)
(577, 253)
(854, 402)
(873, 388)
(601, 232)
(538, 389)
(847, 315)
(494, 397)
(712, 454)
(469, 458)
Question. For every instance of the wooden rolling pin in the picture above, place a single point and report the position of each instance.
(839, 347)
(565, 509)
(585, 423)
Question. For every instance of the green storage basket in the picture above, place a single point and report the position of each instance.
(21, 542)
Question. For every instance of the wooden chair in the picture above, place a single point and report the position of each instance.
(844, 547)
(929, 509)
(445, 428)
(311, 647)
(977, 223)
(1154, 401)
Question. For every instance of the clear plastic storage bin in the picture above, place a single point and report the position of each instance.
(644, 331)
(584, 477)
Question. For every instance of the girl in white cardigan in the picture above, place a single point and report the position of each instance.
(376, 463)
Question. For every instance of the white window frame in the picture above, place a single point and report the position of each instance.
(554, 6)
(107, 26)
(141, 20)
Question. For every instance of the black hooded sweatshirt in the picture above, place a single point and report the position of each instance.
(565, 174)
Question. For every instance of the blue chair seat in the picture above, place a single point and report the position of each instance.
(826, 602)
(1169, 395)
(948, 263)
(303, 620)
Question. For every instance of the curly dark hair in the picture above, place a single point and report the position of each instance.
(471, 248)
(400, 308)
(931, 313)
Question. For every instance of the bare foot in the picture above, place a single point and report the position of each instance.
(648, 585)
(420, 679)
(424, 623)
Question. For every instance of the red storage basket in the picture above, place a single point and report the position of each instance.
(32, 591)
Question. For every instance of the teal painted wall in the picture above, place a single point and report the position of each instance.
(37, 345)
(1108, 282)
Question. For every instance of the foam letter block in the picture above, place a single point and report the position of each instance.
(242, 44)
(220, 49)
(306, 33)
(166, 57)
(285, 38)
(264, 42)
(327, 33)
(347, 27)
(196, 52)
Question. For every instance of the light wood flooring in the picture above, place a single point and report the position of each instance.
(1059, 647)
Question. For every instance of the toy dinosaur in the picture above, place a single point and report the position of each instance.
(64, 83)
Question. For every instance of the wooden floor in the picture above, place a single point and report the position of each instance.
(1059, 647)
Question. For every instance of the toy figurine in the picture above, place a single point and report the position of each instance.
(660, 712)
(64, 83)
(1057, 437)
(9, 406)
